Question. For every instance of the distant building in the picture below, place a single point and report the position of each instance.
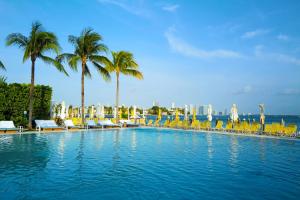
(225, 112)
(221, 113)
(203, 109)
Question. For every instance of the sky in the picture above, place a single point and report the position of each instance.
(190, 52)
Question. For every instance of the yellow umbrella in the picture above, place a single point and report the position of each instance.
(176, 115)
(194, 114)
(159, 115)
(132, 113)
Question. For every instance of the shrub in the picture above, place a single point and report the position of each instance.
(14, 100)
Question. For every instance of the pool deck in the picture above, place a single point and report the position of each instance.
(160, 128)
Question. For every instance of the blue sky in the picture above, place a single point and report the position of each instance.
(191, 52)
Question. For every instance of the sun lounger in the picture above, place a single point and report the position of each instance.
(107, 123)
(128, 123)
(70, 125)
(92, 124)
(7, 127)
(46, 125)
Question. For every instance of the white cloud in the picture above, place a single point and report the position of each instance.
(252, 34)
(182, 47)
(245, 90)
(171, 8)
(133, 9)
(283, 37)
(290, 92)
(279, 57)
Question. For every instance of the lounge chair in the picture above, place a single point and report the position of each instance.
(107, 123)
(128, 123)
(70, 125)
(92, 124)
(219, 125)
(8, 127)
(46, 125)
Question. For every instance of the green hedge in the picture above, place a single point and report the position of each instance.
(14, 100)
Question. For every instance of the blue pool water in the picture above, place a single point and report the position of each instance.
(148, 164)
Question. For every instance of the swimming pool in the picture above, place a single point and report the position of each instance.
(148, 163)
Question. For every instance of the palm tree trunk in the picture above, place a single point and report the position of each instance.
(31, 91)
(117, 98)
(82, 93)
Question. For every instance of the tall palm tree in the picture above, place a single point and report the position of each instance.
(35, 46)
(87, 48)
(2, 65)
(122, 62)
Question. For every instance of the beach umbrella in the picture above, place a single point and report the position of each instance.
(98, 111)
(131, 114)
(194, 114)
(176, 115)
(234, 113)
(159, 115)
(92, 111)
(282, 122)
(134, 111)
(128, 115)
(102, 113)
(120, 113)
(209, 112)
(185, 112)
(63, 110)
(115, 112)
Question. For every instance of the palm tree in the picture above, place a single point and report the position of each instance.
(2, 65)
(122, 63)
(87, 48)
(35, 46)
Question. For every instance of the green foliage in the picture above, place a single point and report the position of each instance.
(14, 100)
(154, 110)
(59, 121)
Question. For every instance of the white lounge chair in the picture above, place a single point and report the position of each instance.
(8, 127)
(92, 124)
(107, 123)
(43, 125)
(70, 125)
(128, 123)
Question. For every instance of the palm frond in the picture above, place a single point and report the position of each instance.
(134, 73)
(54, 62)
(87, 72)
(103, 71)
(2, 66)
(16, 39)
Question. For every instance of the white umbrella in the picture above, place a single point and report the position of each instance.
(234, 113)
(102, 113)
(134, 111)
(98, 111)
(185, 112)
(115, 112)
(209, 112)
(63, 110)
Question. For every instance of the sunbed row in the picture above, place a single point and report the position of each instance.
(50, 125)
(242, 127)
